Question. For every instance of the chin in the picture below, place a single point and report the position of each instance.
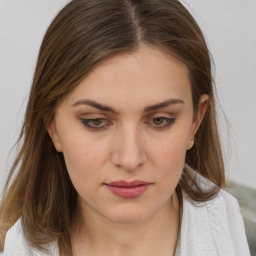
(129, 216)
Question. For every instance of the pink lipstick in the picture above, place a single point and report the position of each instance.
(127, 189)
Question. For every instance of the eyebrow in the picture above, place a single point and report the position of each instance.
(105, 108)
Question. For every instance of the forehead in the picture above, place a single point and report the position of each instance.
(143, 77)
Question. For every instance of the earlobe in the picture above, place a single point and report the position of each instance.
(54, 136)
(191, 143)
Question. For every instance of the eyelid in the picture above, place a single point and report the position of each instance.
(162, 114)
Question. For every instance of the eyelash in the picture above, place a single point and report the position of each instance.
(169, 122)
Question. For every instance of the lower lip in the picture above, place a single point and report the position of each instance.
(128, 192)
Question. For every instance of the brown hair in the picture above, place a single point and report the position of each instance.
(83, 34)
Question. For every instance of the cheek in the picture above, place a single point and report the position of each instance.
(172, 148)
(81, 149)
(84, 160)
(169, 159)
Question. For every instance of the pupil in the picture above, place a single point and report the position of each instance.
(158, 120)
(97, 121)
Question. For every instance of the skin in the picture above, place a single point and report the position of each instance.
(132, 145)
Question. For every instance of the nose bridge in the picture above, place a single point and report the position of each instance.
(129, 149)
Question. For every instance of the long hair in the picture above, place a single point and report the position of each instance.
(84, 33)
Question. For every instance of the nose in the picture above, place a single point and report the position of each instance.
(128, 149)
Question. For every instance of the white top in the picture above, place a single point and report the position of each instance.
(213, 228)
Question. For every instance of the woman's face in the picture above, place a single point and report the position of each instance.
(124, 132)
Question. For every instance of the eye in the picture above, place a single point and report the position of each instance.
(96, 123)
(161, 122)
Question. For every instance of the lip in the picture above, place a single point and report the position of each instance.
(128, 189)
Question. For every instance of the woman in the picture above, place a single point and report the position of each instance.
(120, 150)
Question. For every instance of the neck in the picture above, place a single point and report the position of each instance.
(94, 235)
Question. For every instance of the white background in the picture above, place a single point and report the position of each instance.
(230, 30)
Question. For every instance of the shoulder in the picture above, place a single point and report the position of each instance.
(214, 227)
(16, 244)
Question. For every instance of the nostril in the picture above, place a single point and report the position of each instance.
(129, 162)
(128, 149)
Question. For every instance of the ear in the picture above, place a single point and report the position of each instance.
(199, 115)
(54, 136)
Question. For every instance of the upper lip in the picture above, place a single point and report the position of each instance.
(123, 183)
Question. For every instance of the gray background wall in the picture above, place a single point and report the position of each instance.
(229, 27)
